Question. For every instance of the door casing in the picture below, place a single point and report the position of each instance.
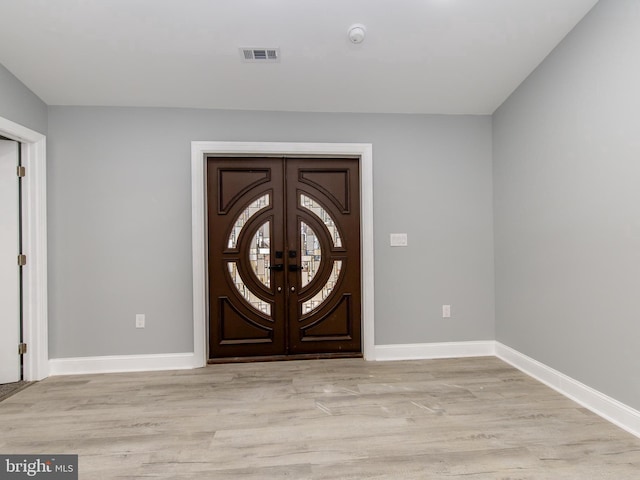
(201, 149)
(34, 237)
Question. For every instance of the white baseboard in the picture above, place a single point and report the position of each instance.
(608, 408)
(121, 363)
(424, 351)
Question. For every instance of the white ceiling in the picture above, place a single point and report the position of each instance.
(419, 56)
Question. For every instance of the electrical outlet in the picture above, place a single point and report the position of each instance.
(446, 311)
(140, 320)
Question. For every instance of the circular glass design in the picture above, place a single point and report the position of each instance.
(260, 255)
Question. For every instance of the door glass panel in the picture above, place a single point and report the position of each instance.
(248, 295)
(310, 253)
(259, 255)
(313, 206)
(326, 290)
(244, 217)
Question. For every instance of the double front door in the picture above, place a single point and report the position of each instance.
(284, 256)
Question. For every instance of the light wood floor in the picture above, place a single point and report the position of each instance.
(342, 419)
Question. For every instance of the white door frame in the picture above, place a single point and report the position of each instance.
(34, 246)
(199, 151)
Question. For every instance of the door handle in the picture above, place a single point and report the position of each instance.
(295, 268)
(278, 268)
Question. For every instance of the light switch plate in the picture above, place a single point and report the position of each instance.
(398, 240)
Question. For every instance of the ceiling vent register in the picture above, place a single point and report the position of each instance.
(260, 55)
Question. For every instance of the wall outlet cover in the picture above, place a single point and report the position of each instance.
(398, 240)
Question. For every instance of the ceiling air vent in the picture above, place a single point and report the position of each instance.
(257, 55)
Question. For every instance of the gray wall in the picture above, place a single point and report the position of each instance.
(21, 105)
(567, 206)
(120, 221)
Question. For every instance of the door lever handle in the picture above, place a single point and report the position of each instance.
(278, 268)
(295, 268)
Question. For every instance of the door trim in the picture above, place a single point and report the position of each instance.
(34, 237)
(199, 151)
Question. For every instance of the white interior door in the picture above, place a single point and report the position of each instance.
(9, 269)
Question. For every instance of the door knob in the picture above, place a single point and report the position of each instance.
(293, 289)
(295, 268)
(278, 268)
(279, 289)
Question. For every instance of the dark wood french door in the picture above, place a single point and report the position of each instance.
(284, 256)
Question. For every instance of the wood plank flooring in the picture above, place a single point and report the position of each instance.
(474, 418)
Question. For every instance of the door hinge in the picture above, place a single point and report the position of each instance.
(22, 348)
(22, 260)
(22, 171)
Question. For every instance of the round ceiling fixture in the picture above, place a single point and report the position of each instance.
(356, 33)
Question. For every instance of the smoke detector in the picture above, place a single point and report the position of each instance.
(356, 33)
(260, 54)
